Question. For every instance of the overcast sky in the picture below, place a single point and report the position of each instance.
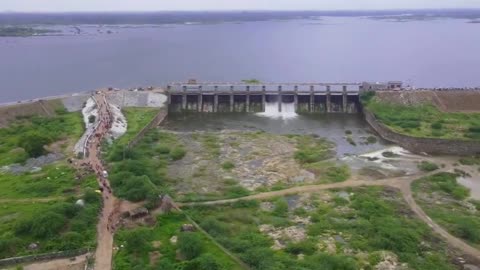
(158, 5)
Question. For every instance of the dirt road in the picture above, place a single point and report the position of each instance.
(103, 254)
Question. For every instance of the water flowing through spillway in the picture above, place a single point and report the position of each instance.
(272, 110)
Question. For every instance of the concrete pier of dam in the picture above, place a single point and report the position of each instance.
(303, 97)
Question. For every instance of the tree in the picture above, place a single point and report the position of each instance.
(33, 142)
(42, 226)
(190, 245)
(91, 119)
(137, 240)
(72, 240)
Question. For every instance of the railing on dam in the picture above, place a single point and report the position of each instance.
(300, 88)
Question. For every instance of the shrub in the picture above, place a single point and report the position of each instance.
(371, 139)
(190, 245)
(470, 161)
(178, 153)
(327, 261)
(163, 149)
(260, 258)
(213, 226)
(366, 96)
(304, 247)
(9, 246)
(91, 196)
(71, 241)
(33, 143)
(228, 165)
(475, 129)
(468, 229)
(281, 208)
(237, 191)
(91, 119)
(137, 241)
(45, 225)
(447, 183)
(436, 125)
(337, 174)
(427, 166)
(204, 262)
(348, 132)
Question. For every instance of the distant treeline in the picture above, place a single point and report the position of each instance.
(212, 17)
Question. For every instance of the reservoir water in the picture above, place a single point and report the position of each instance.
(442, 52)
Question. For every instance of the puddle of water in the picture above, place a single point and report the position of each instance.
(472, 184)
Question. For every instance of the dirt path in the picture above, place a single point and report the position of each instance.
(105, 226)
(75, 263)
(32, 200)
(403, 184)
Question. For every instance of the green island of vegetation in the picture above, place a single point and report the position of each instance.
(424, 120)
(440, 195)
(17, 31)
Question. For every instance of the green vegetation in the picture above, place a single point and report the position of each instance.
(178, 153)
(252, 81)
(211, 143)
(311, 149)
(54, 226)
(427, 166)
(371, 140)
(197, 252)
(425, 120)
(440, 196)
(137, 119)
(329, 172)
(370, 221)
(141, 173)
(228, 165)
(53, 180)
(26, 137)
(190, 245)
(15, 31)
(469, 161)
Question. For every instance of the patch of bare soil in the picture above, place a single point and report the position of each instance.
(75, 263)
(449, 101)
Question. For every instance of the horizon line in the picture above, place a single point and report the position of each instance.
(241, 10)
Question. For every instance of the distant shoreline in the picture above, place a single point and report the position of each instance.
(179, 17)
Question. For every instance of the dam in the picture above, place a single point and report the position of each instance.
(259, 97)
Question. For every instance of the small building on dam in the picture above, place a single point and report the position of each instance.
(292, 97)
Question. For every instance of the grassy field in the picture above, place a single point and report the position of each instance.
(426, 120)
(446, 202)
(50, 129)
(137, 118)
(147, 242)
(344, 229)
(142, 174)
(58, 224)
(53, 226)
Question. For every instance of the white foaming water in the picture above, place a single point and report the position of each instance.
(272, 110)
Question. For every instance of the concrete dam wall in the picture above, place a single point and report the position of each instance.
(299, 98)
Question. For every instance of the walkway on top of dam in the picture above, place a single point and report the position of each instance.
(259, 88)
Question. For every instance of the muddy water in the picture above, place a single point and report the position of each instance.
(473, 184)
(330, 126)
